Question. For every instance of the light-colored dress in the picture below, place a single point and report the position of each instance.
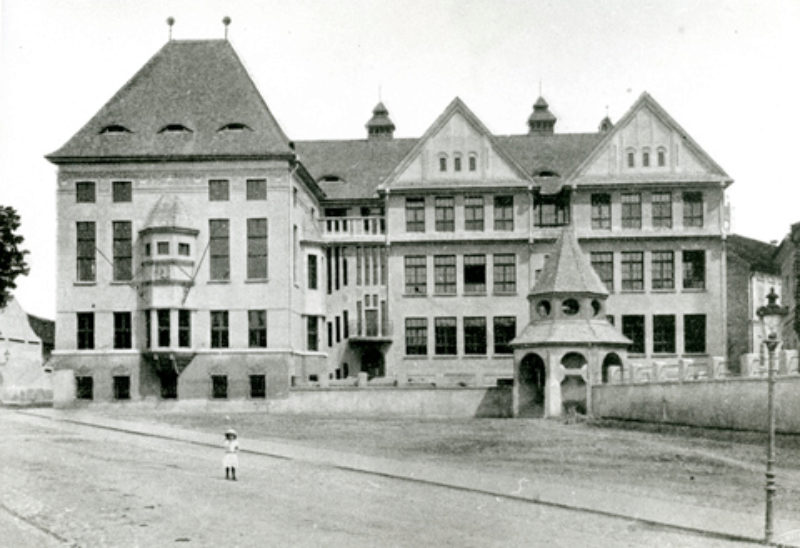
(231, 459)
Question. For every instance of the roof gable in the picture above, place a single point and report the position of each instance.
(200, 85)
(648, 130)
(456, 133)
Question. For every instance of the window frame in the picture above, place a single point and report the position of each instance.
(257, 248)
(661, 209)
(662, 269)
(504, 273)
(219, 387)
(416, 336)
(603, 264)
(474, 266)
(691, 280)
(85, 331)
(601, 211)
(257, 328)
(219, 329)
(551, 209)
(163, 328)
(415, 271)
(504, 334)
(256, 189)
(123, 338)
(85, 192)
(122, 236)
(475, 343)
(632, 271)
(664, 334)
(312, 270)
(445, 214)
(693, 209)
(258, 386)
(86, 251)
(219, 250)
(691, 329)
(184, 328)
(631, 325)
(445, 336)
(415, 214)
(444, 275)
(504, 212)
(474, 213)
(121, 191)
(631, 209)
(219, 190)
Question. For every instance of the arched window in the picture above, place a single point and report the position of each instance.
(473, 161)
(646, 157)
(442, 162)
(457, 161)
(631, 157)
(115, 128)
(662, 156)
(174, 128)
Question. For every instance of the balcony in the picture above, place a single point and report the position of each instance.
(370, 330)
(369, 229)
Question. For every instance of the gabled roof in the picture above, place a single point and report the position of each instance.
(568, 271)
(759, 255)
(455, 106)
(559, 152)
(645, 100)
(199, 84)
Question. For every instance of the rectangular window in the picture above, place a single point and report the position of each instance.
(693, 209)
(184, 328)
(663, 270)
(473, 162)
(84, 192)
(475, 336)
(694, 333)
(162, 248)
(444, 273)
(664, 334)
(86, 252)
(505, 329)
(257, 328)
(416, 275)
(661, 158)
(346, 323)
(183, 249)
(601, 211)
(445, 333)
(312, 333)
(121, 191)
(631, 210)
(551, 210)
(631, 159)
(122, 330)
(219, 249)
(84, 386)
(258, 386)
(457, 163)
(330, 334)
(694, 269)
(256, 189)
(505, 273)
(473, 212)
(162, 319)
(474, 274)
(662, 209)
(442, 163)
(148, 328)
(504, 213)
(445, 214)
(338, 322)
(312, 271)
(603, 263)
(645, 159)
(632, 270)
(122, 387)
(219, 329)
(219, 387)
(633, 328)
(123, 250)
(85, 330)
(416, 336)
(218, 190)
(415, 214)
(256, 249)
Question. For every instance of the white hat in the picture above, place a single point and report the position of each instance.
(231, 432)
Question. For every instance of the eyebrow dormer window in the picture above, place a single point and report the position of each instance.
(234, 126)
(175, 128)
(115, 129)
(331, 179)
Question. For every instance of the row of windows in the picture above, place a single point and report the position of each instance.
(445, 341)
(662, 269)
(473, 213)
(661, 210)
(122, 191)
(218, 250)
(663, 336)
(472, 161)
(121, 387)
(473, 274)
(661, 157)
(123, 332)
(371, 268)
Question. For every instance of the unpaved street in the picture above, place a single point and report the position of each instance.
(65, 484)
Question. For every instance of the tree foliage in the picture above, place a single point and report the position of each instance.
(12, 258)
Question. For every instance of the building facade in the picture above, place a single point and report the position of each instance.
(202, 254)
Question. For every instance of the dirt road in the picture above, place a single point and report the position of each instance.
(71, 485)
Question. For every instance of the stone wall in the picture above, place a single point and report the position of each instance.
(737, 403)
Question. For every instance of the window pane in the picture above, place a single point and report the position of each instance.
(184, 328)
(218, 190)
(663, 270)
(474, 335)
(219, 329)
(86, 249)
(694, 269)
(662, 209)
(162, 318)
(121, 191)
(219, 386)
(84, 192)
(123, 250)
(415, 215)
(693, 209)
(632, 270)
(694, 333)
(444, 271)
(601, 211)
(312, 333)
(505, 329)
(551, 210)
(256, 248)
(257, 328)
(85, 330)
(473, 212)
(122, 329)
(256, 189)
(416, 275)
(258, 386)
(445, 214)
(505, 273)
(504, 213)
(631, 210)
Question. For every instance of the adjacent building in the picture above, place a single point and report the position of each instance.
(203, 254)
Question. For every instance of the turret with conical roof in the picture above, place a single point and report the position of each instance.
(380, 126)
(541, 120)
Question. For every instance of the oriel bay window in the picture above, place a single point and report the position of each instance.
(162, 320)
(256, 249)
(219, 249)
(474, 273)
(631, 210)
(601, 211)
(632, 270)
(504, 213)
(475, 336)
(85, 256)
(664, 334)
(445, 214)
(505, 273)
(663, 270)
(662, 209)
(693, 209)
(473, 213)
(694, 269)
(444, 270)
(416, 336)
(445, 331)
(415, 214)
(551, 209)
(505, 329)
(416, 275)
(603, 263)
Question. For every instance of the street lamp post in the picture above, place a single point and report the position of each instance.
(770, 316)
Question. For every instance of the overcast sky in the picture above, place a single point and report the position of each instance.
(727, 71)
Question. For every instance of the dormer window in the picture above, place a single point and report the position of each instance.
(646, 158)
(456, 162)
(175, 128)
(331, 179)
(473, 161)
(545, 173)
(234, 126)
(662, 157)
(443, 162)
(115, 129)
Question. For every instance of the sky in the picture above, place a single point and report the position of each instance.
(727, 71)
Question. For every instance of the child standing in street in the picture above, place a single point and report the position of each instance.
(231, 460)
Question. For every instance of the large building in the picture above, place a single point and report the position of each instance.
(202, 254)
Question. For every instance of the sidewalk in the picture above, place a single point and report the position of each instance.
(716, 522)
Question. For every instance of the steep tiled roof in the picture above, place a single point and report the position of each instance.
(568, 270)
(581, 332)
(360, 164)
(560, 152)
(168, 212)
(199, 84)
(759, 255)
(45, 329)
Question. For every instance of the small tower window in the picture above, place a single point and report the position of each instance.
(442, 163)
(473, 161)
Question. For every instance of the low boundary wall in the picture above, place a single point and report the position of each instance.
(737, 403)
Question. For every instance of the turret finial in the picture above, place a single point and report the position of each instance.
(170, 22)
(226, 21)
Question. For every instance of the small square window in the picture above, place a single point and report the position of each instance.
(84, 192)
(121, 191)
(256, 189)
(218, 190)
(183, 249)
(162, 248)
